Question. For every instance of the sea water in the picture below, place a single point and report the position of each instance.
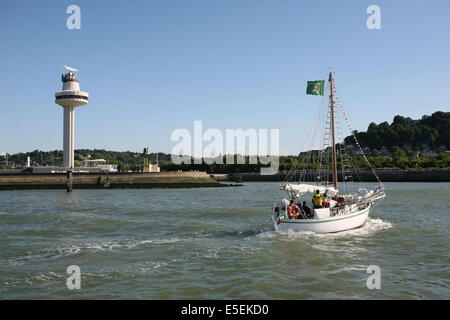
(217, 243)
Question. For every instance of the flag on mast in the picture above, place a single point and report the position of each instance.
(316, 87)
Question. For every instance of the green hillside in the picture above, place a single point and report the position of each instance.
(429, 133)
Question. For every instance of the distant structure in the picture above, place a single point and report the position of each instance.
(154, 168)
(148, 166)
(145, 167)
(99, 165)
(69, 98)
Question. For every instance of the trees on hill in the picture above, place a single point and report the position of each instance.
(428, 133)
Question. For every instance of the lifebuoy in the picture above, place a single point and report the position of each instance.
(293, 211)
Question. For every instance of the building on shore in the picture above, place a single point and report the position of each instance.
(96, 165)
(153, 168)
(100, 165)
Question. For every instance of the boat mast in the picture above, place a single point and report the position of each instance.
(335, 179)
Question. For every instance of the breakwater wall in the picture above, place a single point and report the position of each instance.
(436, 175)
(108, 180)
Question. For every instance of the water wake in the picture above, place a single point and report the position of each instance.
(369, 228)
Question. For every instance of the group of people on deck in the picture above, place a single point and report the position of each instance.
(321, 200)
(302, 211)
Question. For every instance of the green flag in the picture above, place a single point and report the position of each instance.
(315, 87)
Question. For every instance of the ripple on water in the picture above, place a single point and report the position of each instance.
(72, 249)
(217, 243)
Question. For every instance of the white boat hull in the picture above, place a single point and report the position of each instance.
(329, 225)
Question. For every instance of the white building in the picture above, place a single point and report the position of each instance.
(153, 168)
(99, 164)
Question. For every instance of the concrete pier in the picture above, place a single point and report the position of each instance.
(108, 181)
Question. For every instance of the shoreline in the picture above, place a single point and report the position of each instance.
(385, 175)
(40, 186)
(156, 180)
(194, 179)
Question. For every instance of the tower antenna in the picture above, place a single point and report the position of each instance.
(70, 68)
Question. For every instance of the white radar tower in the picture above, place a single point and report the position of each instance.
(69, 98)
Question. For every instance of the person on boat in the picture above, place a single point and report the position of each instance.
(293, 210)
(302, 213)
(326, 200)
(307, 210)
(317, 200)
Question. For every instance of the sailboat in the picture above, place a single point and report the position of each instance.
(340, 205)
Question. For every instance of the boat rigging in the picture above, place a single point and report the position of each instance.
(333, 210)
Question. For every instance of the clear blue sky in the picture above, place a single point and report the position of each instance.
(154, 66)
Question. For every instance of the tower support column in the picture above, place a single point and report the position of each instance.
(68, 142)
(69, 180)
